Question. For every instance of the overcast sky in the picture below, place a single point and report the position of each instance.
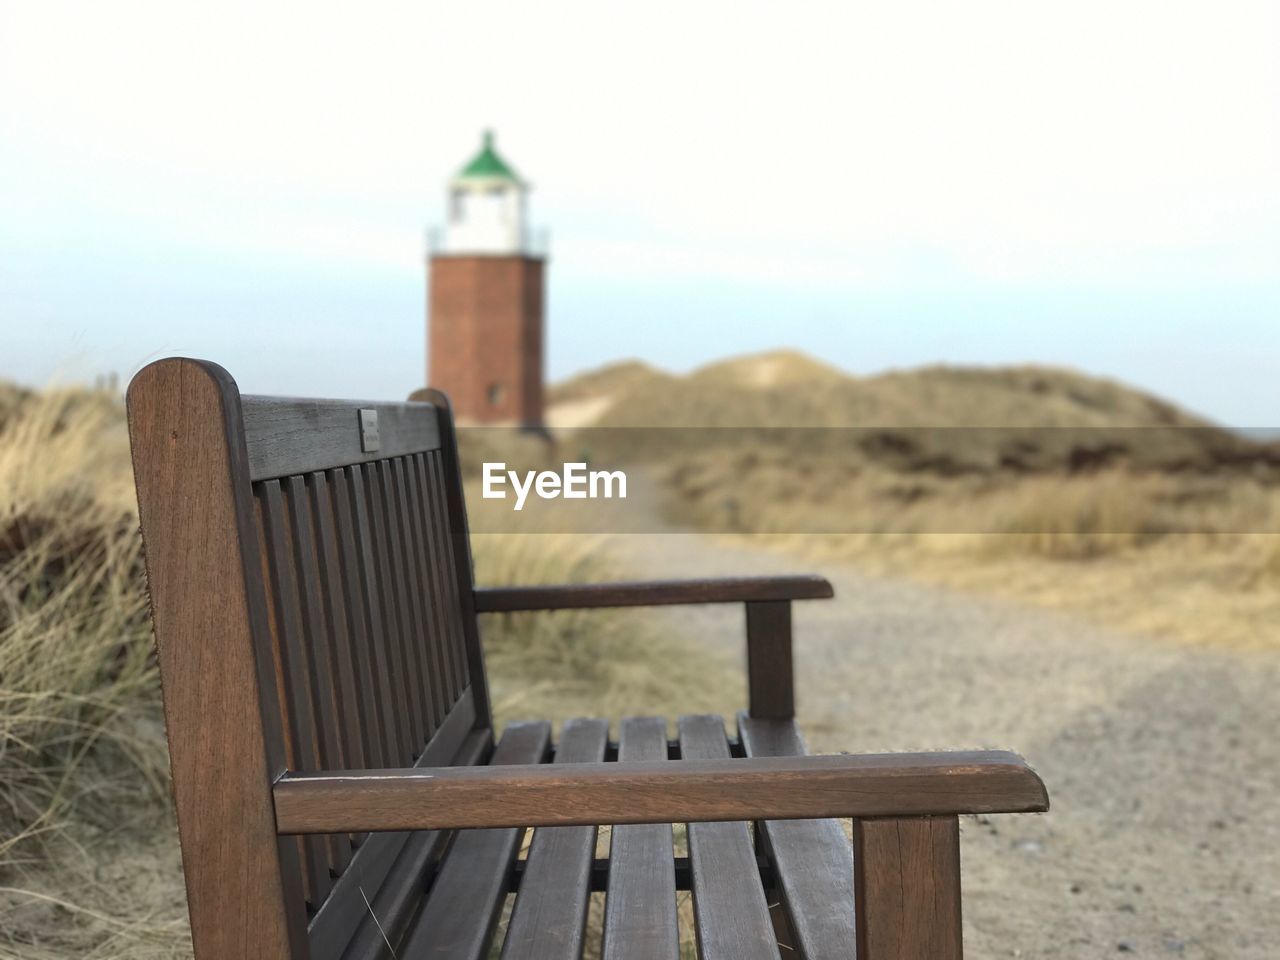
(883, 185)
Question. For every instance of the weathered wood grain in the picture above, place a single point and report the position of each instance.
(455, 743)
(295, 671)
(378, 631)
(362, 617)
(427, 590)
(770, 675)
(209, 612)
(778, 788)
(412, 584)
(640, 921)
(550, 914)
(387, 915)
(447, 470)
(729, 907)
(291, 435)
(451, 561)
(651, 593)
(351, 706)
(458, 919)
(391, 599)
(908, 888)
(812, 859)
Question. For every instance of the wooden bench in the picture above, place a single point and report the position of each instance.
(339, 791)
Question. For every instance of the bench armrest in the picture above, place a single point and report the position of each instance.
(768, 788)
(768, 601)
(651, 593)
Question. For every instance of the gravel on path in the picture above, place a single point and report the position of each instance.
(1163, 763)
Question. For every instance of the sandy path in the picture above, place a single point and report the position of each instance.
(1163, 764)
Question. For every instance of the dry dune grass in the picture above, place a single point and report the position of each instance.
(1268, 570)
(606, 380)
(573, 663)
(787, 388)
(1171, 528)
(1166, 555)
(74, 642)
(81, 747)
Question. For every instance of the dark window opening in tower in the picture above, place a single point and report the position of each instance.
(495, 394)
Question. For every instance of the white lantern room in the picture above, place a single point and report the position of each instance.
(487, 207)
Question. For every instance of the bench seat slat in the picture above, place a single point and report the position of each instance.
(457, 743)
(729, 905)
(551, 906)
(813, 859)
(640, 921)
(388, 914)
(458, 918)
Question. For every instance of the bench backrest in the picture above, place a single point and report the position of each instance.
(311, 588)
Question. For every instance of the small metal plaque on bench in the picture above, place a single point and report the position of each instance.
(369, 442)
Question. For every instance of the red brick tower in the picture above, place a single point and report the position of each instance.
(484, 315)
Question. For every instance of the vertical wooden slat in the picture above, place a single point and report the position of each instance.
(458, 919)
(770, 684)
(416, 635)
(907, 884)
(395, 601)
(315, 626)
(416, 593)
(457, 576)
(295, 672)
(640, 921)
(376, 868)
(433, 624)
(443, 554)
(208, 606)
(437, 546)
(352, 564)
(387, 642)
(317, 641)
(812, 859)
(449, 471)
(329, 573)
(271, 648)
(729, 907)
(396, 743)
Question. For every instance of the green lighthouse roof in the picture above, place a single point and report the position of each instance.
(488, 164)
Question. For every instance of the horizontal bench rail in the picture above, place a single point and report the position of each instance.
(652, 593)
(689, 791)
(290, 435)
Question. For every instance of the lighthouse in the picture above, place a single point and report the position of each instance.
(485, 299)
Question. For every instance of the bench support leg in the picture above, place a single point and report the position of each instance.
(770, 683)
(907, 885)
